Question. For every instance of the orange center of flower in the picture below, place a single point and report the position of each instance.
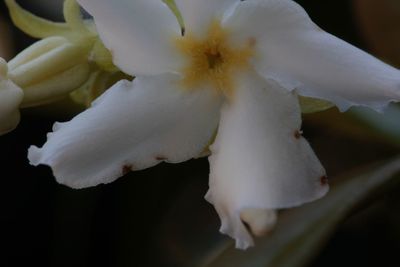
(213, 61)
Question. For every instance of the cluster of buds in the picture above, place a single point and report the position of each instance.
(68, 59)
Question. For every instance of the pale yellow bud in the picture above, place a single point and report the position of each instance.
(10, 99)
(69, 54)
(56, 87)
(49, 69)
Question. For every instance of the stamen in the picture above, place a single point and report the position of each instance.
(213, 61)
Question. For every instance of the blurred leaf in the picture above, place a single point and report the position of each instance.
(302, 232)
(360, 124)
(387, 125)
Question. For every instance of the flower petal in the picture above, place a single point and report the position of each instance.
(132, 126)
(260, 160)
(10, 99)
(139, 34)
(198, 15)
(294, 51)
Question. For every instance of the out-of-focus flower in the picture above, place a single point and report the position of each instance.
(236, 66)
(10, 99)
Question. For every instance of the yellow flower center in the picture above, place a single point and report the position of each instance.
(213, 61)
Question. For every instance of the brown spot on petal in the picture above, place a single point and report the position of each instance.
(127, 169)
(161, 158)
(298, 134)
(324, 180)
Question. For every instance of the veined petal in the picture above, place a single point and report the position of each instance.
(134, 125)
(198, 15)
(138, 33)
(259, 160)
(294, 51)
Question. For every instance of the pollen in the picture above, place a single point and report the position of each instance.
(213, 61)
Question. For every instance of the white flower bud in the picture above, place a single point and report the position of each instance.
(49, 69)
(10, 98)
(63, 61)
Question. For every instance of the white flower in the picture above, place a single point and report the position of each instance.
(238, 68)
(10, 98)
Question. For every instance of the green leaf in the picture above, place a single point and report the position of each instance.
(302, 232)
(387, 125)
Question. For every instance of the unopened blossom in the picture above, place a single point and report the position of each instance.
(10, 98)
(49, 70)
(236, 68)
(68, 57)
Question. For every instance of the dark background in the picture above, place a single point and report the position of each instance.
(158, 217)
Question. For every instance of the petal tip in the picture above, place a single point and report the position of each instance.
(233, 226)
(34, 155)
(208, 197)
(243, 245)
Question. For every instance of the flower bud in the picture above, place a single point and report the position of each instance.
(96, 85)
(49, 69)
(69, 57)
(10, 98)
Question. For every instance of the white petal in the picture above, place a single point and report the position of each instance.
(259, 159)
(297, 53)
(139, 34)
(198, 15)
(10, 99)
(131, 127)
